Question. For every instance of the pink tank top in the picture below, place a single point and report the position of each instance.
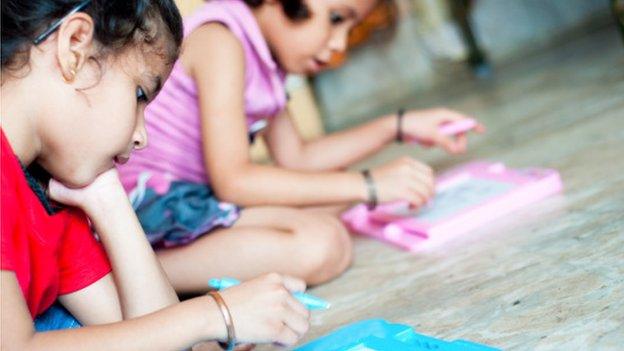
(174, 150)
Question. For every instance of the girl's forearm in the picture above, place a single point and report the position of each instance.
(142, 284)
(173, 328)
(256, 185)
(342, 149)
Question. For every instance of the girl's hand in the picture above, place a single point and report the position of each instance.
(423, 126)
(404, 179)
(105, 187)
(264, 310)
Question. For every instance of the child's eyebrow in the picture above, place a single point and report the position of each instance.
(351, 12)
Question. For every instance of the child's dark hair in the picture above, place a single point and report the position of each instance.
(118, 24)
(294, 9)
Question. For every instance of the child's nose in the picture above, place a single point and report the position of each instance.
(140, 142)
(140, 136)
(339, 40)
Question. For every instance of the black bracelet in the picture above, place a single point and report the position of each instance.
(399, 135)
(372, 189)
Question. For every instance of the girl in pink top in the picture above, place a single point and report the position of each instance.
(228, 82)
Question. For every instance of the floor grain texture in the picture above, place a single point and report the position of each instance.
(549, 277)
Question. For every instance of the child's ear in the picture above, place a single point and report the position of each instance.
(75, 44)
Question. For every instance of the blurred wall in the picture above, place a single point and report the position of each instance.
(187, 6)
(427, 46)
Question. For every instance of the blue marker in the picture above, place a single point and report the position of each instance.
(311, 302)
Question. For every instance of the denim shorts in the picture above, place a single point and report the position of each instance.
(182, 214)
(56, 318)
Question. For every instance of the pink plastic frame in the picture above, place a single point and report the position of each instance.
(411, 233)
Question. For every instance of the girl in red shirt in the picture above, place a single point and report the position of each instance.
(76, 77)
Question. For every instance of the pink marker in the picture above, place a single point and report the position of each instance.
(458, 127)
(453, 128)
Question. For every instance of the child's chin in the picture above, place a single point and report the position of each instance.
(79, 179)
(311, 72)
(77, 183)
(315, 71)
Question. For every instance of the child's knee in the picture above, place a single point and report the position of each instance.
(326, 248)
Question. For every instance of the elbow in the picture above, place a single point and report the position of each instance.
(231, 189)
(239, 191)
(287, 163)
(293, 159)
(234, 184)
(226, 191)
(295, 162)
(236, 195)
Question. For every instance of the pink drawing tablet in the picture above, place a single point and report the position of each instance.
(467, 197)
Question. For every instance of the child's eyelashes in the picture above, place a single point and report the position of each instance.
(336, 18)
(141, 95)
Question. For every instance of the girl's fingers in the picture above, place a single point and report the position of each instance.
(445, 142)
(416, 199)
(461, 141)
(296, 321)
(414, 204)
(287, 337)
(424, 176)
(298, 307)
(424, 185)
(293, 284)
(425, 192)
(421, 167)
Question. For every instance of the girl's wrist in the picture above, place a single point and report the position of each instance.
(388, 126)
(102, 204)
(230, 342)
(385, 126)
(359, 188)
(400, 137)
(371, 190)
(212, 326)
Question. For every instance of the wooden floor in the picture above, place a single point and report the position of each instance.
(550, 277)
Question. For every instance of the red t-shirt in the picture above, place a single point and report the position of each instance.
(51, 255)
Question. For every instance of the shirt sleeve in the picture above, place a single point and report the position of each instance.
(82, 259)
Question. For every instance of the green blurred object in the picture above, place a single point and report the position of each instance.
(618, 12)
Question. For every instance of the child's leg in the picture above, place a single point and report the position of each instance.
(310, 245)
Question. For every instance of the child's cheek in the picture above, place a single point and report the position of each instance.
(121, 121)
